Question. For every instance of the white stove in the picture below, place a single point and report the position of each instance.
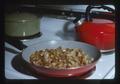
(52, 29)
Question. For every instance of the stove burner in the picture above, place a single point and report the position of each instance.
(25, 37)
(20, 65)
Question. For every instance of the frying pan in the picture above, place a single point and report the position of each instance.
(69, 72)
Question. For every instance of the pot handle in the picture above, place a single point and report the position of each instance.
(16, 43)
(90, 7)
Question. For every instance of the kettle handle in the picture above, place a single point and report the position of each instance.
(88, 9)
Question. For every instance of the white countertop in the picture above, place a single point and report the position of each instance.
(52, 29)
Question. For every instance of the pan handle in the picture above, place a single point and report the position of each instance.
(16, 43)
(90, 7)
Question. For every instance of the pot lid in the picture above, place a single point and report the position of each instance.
(20, 17)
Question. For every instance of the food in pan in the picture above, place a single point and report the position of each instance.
(60, 58)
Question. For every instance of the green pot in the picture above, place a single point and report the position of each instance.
(21, 24)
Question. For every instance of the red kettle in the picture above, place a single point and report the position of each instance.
(97, 32)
